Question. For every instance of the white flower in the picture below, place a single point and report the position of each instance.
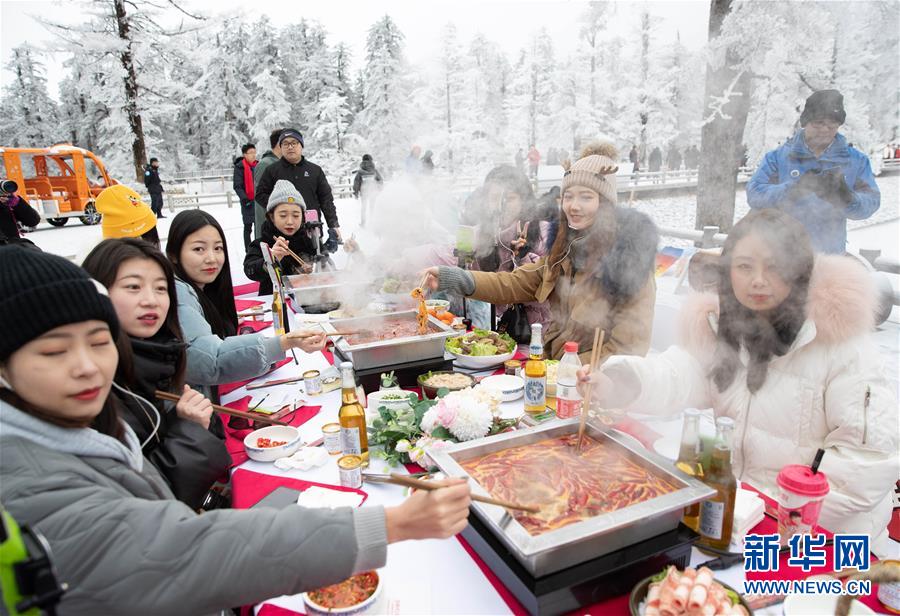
(473, 421)
(416, 454)
(403, 445)
(429, 420)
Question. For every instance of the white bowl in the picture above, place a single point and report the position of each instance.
(275, 433)
(481, 361)
(376, 399)
(372, 605)
(510, 387)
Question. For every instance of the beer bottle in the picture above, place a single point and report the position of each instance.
(536, 374)
(352, 417)
(689, 461)
(717, 513)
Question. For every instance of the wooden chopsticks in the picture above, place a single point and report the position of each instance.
(419, 484)
(599, 336)
(164, 395)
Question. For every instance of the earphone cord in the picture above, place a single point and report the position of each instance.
(143, 401)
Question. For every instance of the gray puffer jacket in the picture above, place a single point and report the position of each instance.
(125, 546)
(214, 361)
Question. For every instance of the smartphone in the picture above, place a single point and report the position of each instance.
(279, 498)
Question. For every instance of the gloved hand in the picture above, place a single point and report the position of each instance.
(833, 188)
(805, 184)
(333, 241)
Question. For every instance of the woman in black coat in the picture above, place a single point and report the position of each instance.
(282, 230)
(174, 437)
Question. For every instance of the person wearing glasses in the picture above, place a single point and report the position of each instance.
(308, 178)
(816, 177)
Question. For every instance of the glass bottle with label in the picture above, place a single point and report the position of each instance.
(717, 513)
(352, 416)
(689, 461)
(535, 374)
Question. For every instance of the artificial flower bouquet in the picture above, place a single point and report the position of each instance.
(465, 415)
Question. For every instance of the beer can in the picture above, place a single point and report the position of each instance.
(512, 367)
(350, 469)
(331, 433)
(312, 382)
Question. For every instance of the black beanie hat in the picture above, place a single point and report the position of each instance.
(824, 104)
(39, 292)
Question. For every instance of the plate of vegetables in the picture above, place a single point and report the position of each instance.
(481, 348)
(692, 591)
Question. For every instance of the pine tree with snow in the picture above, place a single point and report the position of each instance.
(29, 115)
(383, 121)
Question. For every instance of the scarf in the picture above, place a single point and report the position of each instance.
(248, 178)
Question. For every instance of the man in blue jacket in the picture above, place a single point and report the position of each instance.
(816, 177)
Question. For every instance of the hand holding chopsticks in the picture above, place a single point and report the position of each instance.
(164, 395)
(599, 336)
(420, 484)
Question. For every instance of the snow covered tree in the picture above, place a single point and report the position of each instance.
(130, 33)
(224, 89)
(29, 115)
(532, 89)
(270, 108)
(383, 121)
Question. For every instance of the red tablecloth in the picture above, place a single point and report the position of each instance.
(246, 289)
(246, 304)
(234, 439)
(256, 326)
(227, 388)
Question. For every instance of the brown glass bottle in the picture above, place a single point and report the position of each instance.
(717, 513)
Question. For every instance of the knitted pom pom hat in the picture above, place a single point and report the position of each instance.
(595, 169)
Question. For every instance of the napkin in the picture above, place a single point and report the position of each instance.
(325, 498)
(749, 510)
(303, 459)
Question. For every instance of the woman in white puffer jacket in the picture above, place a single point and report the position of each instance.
(785, 350)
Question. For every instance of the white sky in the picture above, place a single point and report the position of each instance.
(507, 22)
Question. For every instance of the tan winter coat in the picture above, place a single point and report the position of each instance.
(618, 295)
(814, 397)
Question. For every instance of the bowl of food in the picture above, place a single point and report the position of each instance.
(481, 349)
(439, 306)
(431, 382)
(508, 386)
(360, 594)
(704, 593)
(390, 398)
(272, 442)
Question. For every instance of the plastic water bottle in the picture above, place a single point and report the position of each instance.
(568, 400)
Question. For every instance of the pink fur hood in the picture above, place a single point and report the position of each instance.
(841, 303)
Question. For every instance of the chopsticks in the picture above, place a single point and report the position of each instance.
(296, 258)
(419, 484)
(599, 336)
(164, 395)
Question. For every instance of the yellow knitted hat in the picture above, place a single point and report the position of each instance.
(124, 214)
(595, 169)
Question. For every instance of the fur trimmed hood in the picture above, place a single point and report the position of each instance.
(633, 256)
(841, 303)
